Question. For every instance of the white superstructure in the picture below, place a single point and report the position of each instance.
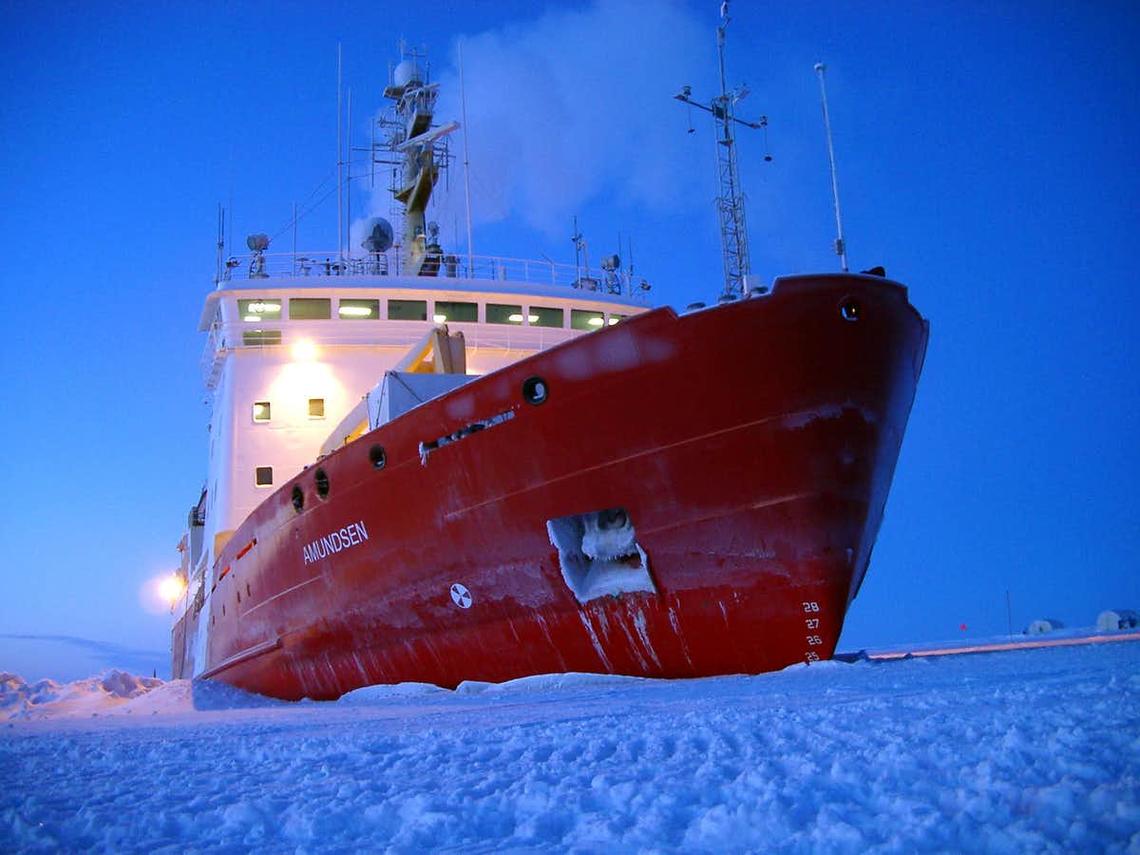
(289, 355)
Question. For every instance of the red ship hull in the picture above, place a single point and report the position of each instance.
(751, 445)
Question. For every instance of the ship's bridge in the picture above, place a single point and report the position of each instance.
(502, 305)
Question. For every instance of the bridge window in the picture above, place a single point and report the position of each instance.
(310, 309)
(316, 408)
(263, 476)
(259, 309)
(261, 411)
(455, 312)
(541, 316)
(580, 319)
(260, 337)
(497, 313)
(407, 310)
(359, 310)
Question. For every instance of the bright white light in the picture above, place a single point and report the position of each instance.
(439, 319)
(515, 319)
(265, 308)
(304, 351)
(159, 594)
(355, 311)
(251, 318)
(595, 322)
(614, 321)
(171, 588)
(532, 318)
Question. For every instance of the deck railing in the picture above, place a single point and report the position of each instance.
(257, 266)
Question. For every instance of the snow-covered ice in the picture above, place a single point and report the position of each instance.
(1025, 751)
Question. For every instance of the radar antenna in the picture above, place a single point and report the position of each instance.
(730, 201)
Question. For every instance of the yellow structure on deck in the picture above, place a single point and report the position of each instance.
(438, 352)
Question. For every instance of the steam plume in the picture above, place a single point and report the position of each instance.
(570, 108)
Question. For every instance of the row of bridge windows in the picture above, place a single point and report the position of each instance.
(261, 310)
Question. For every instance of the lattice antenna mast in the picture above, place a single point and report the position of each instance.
(730, 200)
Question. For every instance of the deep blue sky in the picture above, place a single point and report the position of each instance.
(985, 156)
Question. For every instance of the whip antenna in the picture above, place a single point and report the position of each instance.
(466, 165)
(339, 163)
(840, 246)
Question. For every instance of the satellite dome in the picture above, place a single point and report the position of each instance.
(407, 73)
(258, 242)
(379, 236)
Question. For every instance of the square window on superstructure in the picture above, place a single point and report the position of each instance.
(498, 313)
(316, 408)
(261, 411)
(310, 308)
(446, 312)
(580, 319)
(358, 310)
(259, 309)
(541, 316)
(263, 476)
(253, 338)
(407, 310)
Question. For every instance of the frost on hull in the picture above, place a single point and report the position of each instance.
(599, 554)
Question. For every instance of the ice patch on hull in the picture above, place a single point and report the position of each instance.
(599, 555)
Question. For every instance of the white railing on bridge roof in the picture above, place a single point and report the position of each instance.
(257, 266)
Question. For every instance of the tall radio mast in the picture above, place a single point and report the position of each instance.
(840, 244)
(730, 200)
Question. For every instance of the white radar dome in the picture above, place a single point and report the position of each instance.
(407, 73)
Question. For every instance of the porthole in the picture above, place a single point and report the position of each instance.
(535, 390)
(298, 498)
(322, 481)
(850, 310)
(377, 456)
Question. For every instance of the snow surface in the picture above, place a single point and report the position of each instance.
(1024, 751)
